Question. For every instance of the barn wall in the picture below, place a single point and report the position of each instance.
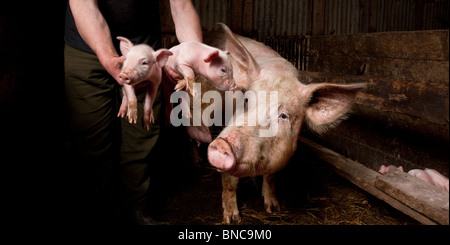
(402, 118)
(267, 18)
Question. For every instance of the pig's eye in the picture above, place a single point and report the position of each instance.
(283, 116)
(223, 70)
(144, 62)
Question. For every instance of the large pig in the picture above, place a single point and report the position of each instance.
(240, 151)
(193, 58)
(142, 64)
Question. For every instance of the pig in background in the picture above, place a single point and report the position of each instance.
(239, 151)
(430, 176)
(142, 64)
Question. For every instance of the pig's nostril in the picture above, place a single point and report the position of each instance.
(220, 155)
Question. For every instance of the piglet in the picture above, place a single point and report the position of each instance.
(431, 176)
(142, 64)
(191, 59)
(438, 179)
(421, 174)
(390, 168)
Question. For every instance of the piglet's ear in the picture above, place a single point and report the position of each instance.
(161, 56)
(211, 56)
(125, 45)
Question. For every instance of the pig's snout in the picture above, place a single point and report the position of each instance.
(220, 155)
(124, 77)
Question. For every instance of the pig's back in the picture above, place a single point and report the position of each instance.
(267, 58)
(187, 53)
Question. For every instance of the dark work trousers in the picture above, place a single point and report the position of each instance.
(109, 156)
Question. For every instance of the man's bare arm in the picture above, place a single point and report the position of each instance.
(187, 22)
(95, 32)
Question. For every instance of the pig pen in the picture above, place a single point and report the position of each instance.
(189, 192)
(400, 119)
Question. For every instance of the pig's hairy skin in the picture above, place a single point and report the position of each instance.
(265, 156)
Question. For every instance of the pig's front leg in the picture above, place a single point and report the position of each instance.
(229, 202)
(268, 191)
(132, 103)
(123, 107)
(189, 79)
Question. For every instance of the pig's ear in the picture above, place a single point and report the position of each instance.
(212, 56)
(125, 45)
(240, 54)
(327, 104)
(161, 56)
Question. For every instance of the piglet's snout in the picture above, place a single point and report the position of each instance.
(220, 155)
(124, 77)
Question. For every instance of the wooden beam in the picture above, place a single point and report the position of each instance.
(427, 199)
(362, 177)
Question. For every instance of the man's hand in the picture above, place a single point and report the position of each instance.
(114, 65)
(175, 77)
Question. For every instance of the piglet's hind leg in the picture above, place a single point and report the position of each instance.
(189, 79)
(148, 111)
(123, 107)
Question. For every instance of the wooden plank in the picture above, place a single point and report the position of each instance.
(236, 16)
(423, 197)
(373, 10)
(420, 100)
(393, 120)
(318, 24)
(247, 18)
(417, 56)
(167, 25)
(418, 15)
(362, 177)
(409, 45)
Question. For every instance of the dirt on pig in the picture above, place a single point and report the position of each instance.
(309, 193)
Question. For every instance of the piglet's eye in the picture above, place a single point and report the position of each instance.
(144, 62)
(223, 70)
(283, 116)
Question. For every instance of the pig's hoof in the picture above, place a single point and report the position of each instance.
(121, 114)
(147, 122)
(272, 207)
(122, 111)
(152, 119)
(132, 116)
(228, 219)
(180, 85)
